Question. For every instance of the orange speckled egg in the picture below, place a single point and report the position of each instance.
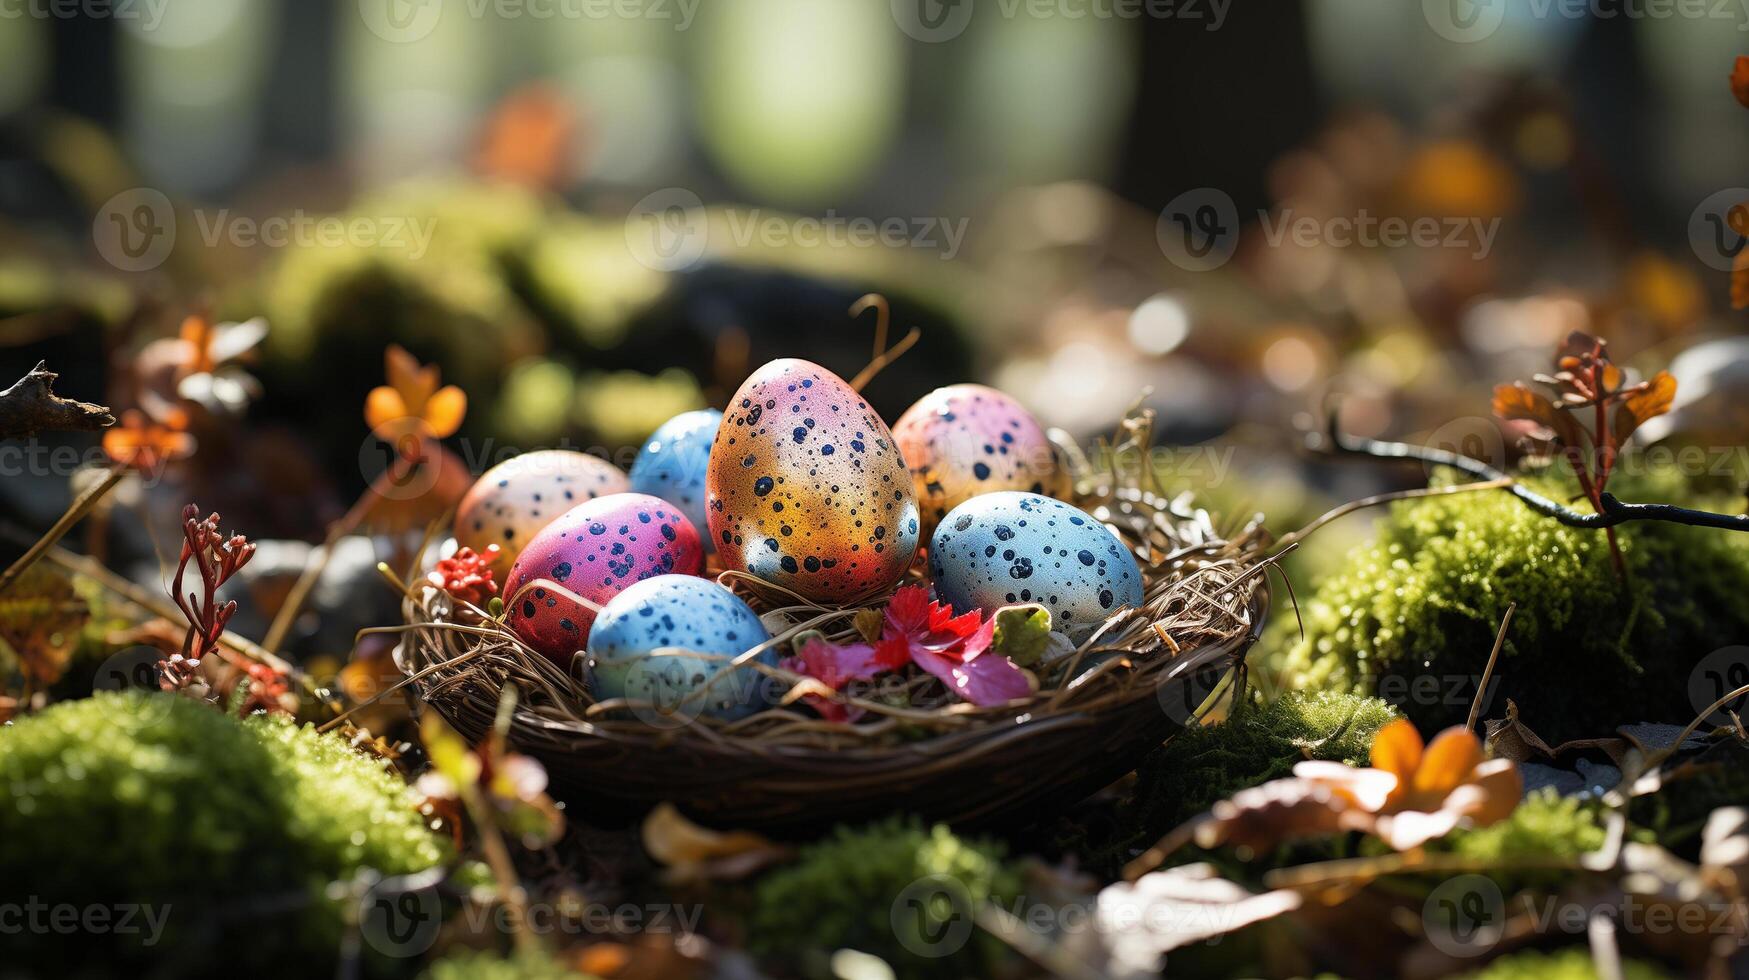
(964, 440)
(806, 488)
(515, 499)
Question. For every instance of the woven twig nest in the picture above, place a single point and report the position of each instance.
(1134, 682)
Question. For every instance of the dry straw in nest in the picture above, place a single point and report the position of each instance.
(1134, 682)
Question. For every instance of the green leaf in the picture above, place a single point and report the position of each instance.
(1022, 633)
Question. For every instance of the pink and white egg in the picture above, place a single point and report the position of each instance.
(967, 439)
(514, 500)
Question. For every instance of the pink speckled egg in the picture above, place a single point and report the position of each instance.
(595, 550)
(805, 488)
(515, 499)
(964, 440)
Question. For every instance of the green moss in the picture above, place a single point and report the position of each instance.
(1413, 614)
(1545, 825)
(1204, 765)
(233, 829)
(1573, 963)
(847, 890)
(481, 965)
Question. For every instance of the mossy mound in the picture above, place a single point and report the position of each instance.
(1413, 614)
(1204, 765)
(230, 832)
(1573, 963)
(483, 965)
(897, 890)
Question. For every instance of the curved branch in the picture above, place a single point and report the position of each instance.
(31, 406)
(1611, 513)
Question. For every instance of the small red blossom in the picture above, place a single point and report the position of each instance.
(915, 629)
(467, 575)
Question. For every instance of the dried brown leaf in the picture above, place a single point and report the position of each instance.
(1648, 403)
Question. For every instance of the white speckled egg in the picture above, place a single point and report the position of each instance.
(673, 463)
(645, 643)
(510, 504)
(1002, 548)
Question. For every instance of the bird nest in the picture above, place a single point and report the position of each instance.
(1135, 681)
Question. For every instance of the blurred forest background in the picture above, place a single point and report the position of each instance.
(1055, 136)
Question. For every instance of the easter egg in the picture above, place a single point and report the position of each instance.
(806, 488)
(646, 641)
(595, 550)
(515, 499)
(1001, 548)
(673, 461)
(964, 440)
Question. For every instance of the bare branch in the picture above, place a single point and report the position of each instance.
(31, 406)
(1611, 513)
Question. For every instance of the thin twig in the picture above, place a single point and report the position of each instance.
(1488, 671)
(1611, 512)
(883, 355)
(77, 510)
(1292, 539)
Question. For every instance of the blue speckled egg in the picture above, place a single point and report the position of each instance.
(641, 646)
(673, 463)
(1001, 548)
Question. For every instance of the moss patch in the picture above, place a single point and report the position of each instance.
(234, 829)
(1573, 963)
(1204, 765)
(1412, 615)
(850, 890)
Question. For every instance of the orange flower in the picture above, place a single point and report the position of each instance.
(145, 445)
(411, 403)
(1418, 792)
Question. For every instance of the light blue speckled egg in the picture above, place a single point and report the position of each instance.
(673, 463)
(645, 640)
(998, 549)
